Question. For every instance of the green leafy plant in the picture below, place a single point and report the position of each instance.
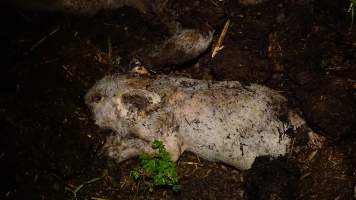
(157, 170)
(351, 10)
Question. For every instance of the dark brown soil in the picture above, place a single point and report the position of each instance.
(48, 141)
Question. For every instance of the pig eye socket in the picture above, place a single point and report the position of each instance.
(96, 98)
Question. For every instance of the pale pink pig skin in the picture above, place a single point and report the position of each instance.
(219, 121)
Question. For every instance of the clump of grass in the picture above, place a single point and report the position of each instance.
(351, 10)
(75, 189)
(157, 170)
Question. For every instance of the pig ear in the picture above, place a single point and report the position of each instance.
(140, 100)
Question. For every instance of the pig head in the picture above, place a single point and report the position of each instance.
(219, 121)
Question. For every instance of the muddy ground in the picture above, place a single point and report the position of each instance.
(305, 49)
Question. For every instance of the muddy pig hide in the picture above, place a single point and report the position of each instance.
(219, 121)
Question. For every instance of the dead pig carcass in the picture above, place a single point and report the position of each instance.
(219, 121)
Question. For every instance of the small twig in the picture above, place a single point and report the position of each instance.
(109, 24)
(109, 48)
(305, 175)
(207, 173)
(352, 11)
(198, 158)
(312, 155)
(42, 40)
(97, 198)
(291, 149)
(193, 163)
(218, 46)
(67, 70)
(214, 3)
(123, 183)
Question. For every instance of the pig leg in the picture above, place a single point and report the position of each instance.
(174, 145)
(121, 149)
(167, 134)
(171, 141)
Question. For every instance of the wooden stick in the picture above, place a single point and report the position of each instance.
(218, 45)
